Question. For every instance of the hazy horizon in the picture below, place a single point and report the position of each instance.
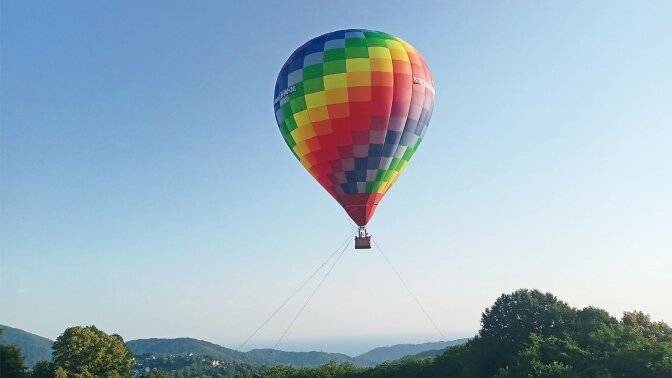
(352, 346)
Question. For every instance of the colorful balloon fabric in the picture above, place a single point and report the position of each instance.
(353, 106)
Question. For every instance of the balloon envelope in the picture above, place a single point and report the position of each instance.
(353, 106)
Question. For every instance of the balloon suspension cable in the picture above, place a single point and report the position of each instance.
(311, 296)
(343, 245)
(417, 301)
(361, 232)
(347, 218)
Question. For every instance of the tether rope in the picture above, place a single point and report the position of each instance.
(346, 242)
(353, 227)
(409, 290)
(312, 295)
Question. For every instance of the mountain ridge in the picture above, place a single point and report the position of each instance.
(34, 347)
(185, 345)
(304, 359)
(394, 352)
(37, 348)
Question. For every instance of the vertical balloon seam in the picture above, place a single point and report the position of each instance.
(418, 122)
(428, 103)
(395, 172)
(380, 172)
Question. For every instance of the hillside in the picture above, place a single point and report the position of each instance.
(303, 359)
(33, 347)
(395, 352)
(185, 345)
(271, 357)
(436, 352)
(36, 348)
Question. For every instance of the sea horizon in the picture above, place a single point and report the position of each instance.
(352, 345)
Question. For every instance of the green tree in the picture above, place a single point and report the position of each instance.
(88, 352)
(545, 357)
(60, 373)
(530, 334)
(410, 367)
(43, 369)
(643, 348)
(11, 362)
(157, 374)
(332, 370)
(507, 325)
(640, 324)
(328, 370)
(281, 371)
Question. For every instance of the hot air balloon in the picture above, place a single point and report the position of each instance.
(353, 106)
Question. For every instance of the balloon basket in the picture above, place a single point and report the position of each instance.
(363, 239)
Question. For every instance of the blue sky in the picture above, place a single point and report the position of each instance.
(146, 189)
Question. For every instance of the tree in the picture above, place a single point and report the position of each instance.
(644, 348)
(157, 374)
(281, 371)
(406, 367)
(508, 324)
(640, 324)
(456, 362)
(545, 357)
(43, 369)
(89, 352)
(11, 362)
(530, 334)
(328, 370)
(514, 317)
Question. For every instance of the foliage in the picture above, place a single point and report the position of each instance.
(43, 369)
(11, 362)
(509, 323)
(531, 334)
(190, 365)
(157, 374)
(328, 370)
(33, 347)
(88, 352)
(272, 357)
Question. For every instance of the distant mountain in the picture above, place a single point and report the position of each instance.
(34, 348)
(438, 352)
(272, 357)
(185, 345)
(256, 357)
(430, 353)
(302, 359)
(395, 352)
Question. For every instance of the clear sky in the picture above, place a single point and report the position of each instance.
(147, 190)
